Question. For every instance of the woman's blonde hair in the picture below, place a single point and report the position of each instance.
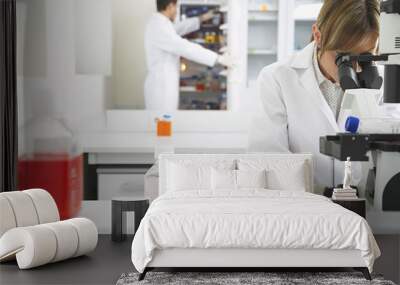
(345, 23)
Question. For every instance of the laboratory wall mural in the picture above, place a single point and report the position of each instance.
(80, 59)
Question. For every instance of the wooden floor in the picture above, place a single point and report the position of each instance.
(110, 260)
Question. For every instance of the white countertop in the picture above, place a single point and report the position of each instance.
(130, 142)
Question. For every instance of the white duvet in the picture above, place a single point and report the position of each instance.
(253, 218)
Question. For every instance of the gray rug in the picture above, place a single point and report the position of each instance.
(268, 278)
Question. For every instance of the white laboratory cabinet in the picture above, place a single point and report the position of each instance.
(276, 29)
(263, 35)
(305, 15)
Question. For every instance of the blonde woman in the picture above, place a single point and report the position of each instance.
(301, 97)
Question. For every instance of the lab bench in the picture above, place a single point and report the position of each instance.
(115, 172)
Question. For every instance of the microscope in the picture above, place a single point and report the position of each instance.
(370, 123)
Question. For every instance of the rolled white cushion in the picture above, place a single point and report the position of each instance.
(23, 208)
(45, 205)
(41, 244)
(7, 218)
(87, 235)
(67, 240)
(33, 246)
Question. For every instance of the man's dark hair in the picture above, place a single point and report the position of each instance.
(163, 4)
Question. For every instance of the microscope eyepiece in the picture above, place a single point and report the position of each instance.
(368, 77)
(347, 76)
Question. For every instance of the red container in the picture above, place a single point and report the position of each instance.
(59, 174)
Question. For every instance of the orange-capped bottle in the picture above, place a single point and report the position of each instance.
(164, 126)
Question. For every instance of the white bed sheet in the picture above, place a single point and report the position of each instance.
(251, 218)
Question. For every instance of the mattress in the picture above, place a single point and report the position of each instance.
(251, 219)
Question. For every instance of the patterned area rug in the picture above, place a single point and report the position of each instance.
(268, 278)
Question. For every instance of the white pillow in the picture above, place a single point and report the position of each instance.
(223, 179)
(193, 174)
(251, 179)
(237, 179)
(182, 177)
(282, 174)
(294, 180)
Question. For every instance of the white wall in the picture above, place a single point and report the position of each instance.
(93, 36)
(34, 51)
(129, 67)
(48, 84)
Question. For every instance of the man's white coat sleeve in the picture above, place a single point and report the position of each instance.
(187, 26)
(169, 41)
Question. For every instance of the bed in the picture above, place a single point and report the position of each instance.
(247, 211)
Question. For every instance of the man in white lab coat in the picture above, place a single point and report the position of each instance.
(164, 46)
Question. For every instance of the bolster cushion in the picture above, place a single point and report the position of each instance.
(37, 245)
(46, 207)
(7, 218)
(26, 208)
(24, 211)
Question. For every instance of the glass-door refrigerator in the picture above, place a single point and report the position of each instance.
(202, 87)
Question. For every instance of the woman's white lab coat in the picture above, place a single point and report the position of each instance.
(164, 46)
(296, 115)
